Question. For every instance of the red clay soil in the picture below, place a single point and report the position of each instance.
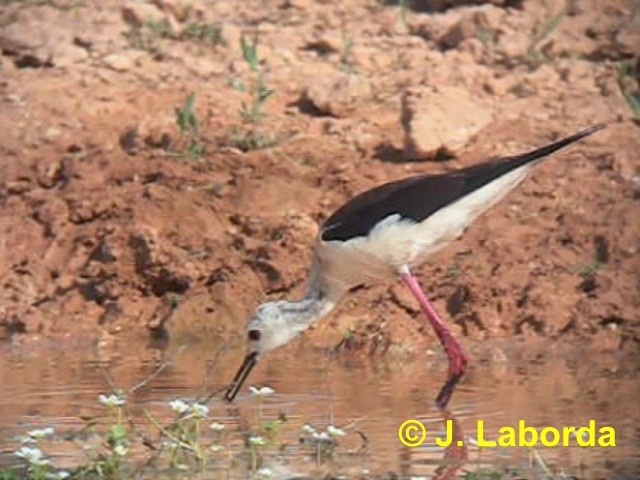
(105, 228)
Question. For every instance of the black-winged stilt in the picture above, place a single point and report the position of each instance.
(378, 236)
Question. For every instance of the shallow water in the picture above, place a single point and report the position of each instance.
(543, 384)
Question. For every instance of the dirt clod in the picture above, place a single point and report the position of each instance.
(442, 118)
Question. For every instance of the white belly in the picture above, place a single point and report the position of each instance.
(396, 242)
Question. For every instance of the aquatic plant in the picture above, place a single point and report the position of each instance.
(189, 441)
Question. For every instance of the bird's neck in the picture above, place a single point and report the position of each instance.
(312, 307)
(319, 299)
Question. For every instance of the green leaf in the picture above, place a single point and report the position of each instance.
(7, 475)
(118, 433)
(250, 53)
(263, 95)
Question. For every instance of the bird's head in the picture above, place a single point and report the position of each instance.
(271, 326)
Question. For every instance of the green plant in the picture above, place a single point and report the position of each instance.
(106, 461)
(628, 77)
(539, 34)
(146, 37)
(346, 54)
(259, 93)
(205, 33)
(323, 443)
(483, 475)
(590, 270)
(185, 434)
(404, 6)
(252, 137)
(187, 123)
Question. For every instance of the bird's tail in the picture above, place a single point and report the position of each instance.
(553, 147)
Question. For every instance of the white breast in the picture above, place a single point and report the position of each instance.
(395, 241)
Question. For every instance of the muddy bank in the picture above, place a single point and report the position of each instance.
(113, 219)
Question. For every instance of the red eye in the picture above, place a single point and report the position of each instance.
(254, 335)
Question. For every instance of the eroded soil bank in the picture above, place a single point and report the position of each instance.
(112, 220)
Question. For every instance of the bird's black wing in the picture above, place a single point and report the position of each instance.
(417, 198)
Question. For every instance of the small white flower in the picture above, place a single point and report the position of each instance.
(308, 429)
(262, 391)
(322, 437)
(179, 406)
(335, 432)
(40, 432)
(216, 448)
(32, 455)
(200, 410)
(112, 400)
(256, 441)
(59, 475)
(217, 427)
(264, 473)
(120, 450)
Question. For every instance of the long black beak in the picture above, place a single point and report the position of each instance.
(243, 372)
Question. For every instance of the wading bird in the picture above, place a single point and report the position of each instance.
(381, 233)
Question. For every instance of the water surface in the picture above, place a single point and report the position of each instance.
(57, 383)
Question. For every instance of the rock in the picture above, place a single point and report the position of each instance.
(85, 210)
(513, 44)
(65, 54)
(177, 8)
(51, 134)
(16, 187)
(156, 130)
(121, 62)
(159, 268)
(297, 4)
(428, 26)
(270, 277)
(543, 78)
(457, 302)
(49, 173)
(442, 118)
(139, 13)
(130, 140)
(499, 86)
(34, 44)
(337, 94)
(402, 297)
(628, 40)
(52, 215)
(473, 25)
(474, 47)
(206, 67)
(325, 43)
(579, 74)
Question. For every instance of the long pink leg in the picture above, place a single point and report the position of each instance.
(455, 354)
